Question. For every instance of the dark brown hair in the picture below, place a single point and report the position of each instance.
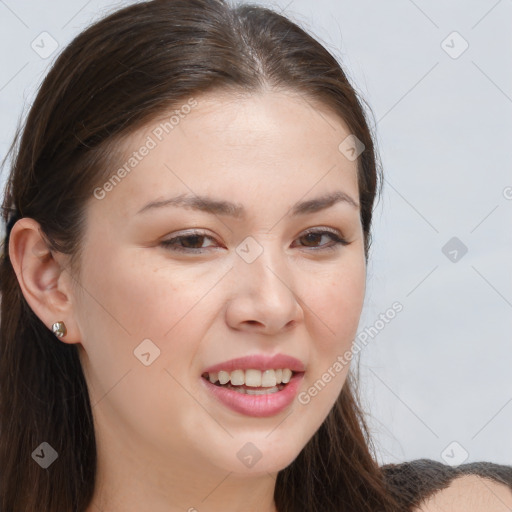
(112, 79)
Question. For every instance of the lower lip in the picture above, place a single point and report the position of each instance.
(259, 406)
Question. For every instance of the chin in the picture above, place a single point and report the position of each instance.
(251, 460)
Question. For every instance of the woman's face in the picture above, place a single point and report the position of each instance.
(168, 292)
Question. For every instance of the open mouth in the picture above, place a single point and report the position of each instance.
(251, 382)
(252, 392)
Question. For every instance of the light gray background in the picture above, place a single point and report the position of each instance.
(441, 371)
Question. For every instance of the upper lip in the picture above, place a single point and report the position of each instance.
(258, 362)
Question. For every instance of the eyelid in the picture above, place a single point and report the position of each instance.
(321, 229)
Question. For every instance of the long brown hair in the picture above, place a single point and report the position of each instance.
(113, 78)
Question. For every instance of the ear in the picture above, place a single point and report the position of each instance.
(45, 281)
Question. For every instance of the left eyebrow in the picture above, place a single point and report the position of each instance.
(216, 207)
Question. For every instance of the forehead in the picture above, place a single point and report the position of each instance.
(265, 143)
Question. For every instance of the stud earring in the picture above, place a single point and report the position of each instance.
(59, 329)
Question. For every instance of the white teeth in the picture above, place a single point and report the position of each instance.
(261, 391)
(266, 391)
(237, 377)
(287, 375)
(252, 378)
(268, 379)
(224, 377)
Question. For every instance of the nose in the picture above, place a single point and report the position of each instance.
(264, 298)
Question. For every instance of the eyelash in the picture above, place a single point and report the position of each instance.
(171, 243)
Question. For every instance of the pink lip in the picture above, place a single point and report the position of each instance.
(259, 362)
(256, 405)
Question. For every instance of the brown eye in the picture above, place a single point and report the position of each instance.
(311, 239)
(192, 241)
(186, 243)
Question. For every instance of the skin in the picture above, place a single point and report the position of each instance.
(470, 493)
(164, 443)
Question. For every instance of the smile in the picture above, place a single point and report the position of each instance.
(256, 400)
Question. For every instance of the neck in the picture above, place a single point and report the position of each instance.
(138, 479)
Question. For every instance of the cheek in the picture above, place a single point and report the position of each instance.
(128, 301)
(145, 297)
(335, 303)
(335, 306)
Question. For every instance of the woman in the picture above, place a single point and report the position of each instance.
(189, 213)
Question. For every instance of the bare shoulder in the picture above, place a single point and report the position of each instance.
(470, 493)
(425, 485)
